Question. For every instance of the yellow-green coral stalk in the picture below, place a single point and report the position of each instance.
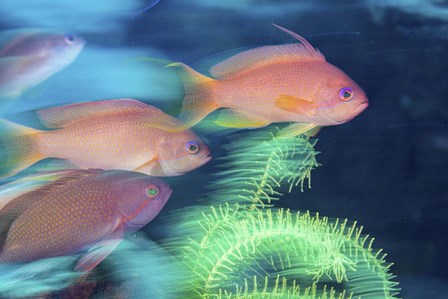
(236, 250)
(238, 246)
(257, 164)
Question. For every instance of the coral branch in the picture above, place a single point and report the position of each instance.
(257, 164)
(322, 256)
(239, 249)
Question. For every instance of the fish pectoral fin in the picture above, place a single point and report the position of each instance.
(231, 118)
(152, 166)
(296, 129)
(313, 132)
(56, 165)
(96, 255)
(296, 105)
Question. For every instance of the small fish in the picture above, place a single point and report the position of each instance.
(86, 212)
(113, 134)
(284, 83)
(30, 57)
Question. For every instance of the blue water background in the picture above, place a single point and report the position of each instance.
(387, 168)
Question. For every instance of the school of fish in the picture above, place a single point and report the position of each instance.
(113, 151)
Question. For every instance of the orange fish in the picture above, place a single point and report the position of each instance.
(116, 134)
(85, 212)
(284, 83)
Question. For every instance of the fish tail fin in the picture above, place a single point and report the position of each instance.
(18, 148)
(199, 98)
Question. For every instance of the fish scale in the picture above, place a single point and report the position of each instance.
(137, 146)
(39, 224)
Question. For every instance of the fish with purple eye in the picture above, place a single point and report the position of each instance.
(346, 94)
(289, 83)
(193, 147)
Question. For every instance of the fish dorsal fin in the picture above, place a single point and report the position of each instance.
(69, 176)
(10, 39)
(263, 56)
(59, 117)
(40, 183)
(28, 183)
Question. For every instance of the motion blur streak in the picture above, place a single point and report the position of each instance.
(97, 16)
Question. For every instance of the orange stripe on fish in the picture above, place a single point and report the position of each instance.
(295, 105)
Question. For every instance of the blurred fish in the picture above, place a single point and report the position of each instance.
(285, 83)
(154, 272)
(85, 212)
(113, 134)
(38, 277)
(29, 57)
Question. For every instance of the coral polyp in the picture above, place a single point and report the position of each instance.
(281, 291)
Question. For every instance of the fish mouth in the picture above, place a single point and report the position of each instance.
(206, 159)
(360, 108)
(363, 106)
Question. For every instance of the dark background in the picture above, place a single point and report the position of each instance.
(387, 168)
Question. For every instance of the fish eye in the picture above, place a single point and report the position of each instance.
(192, 147)
(70, 39)
(151, 191)
(346, 94)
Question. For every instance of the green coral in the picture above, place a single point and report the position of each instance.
(238, 245)
(242, 247)
(258, 164)
(280, 290)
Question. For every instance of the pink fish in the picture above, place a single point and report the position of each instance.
(285, 83)
(113, 134)
(85, 212)
(29, 57)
